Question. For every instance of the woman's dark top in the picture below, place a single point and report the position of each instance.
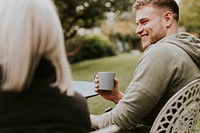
(42, 109)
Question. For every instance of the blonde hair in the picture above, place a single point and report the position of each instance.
(168, 4)
(29, 30)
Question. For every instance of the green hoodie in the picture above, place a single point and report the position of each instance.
(164, 68)
(190, 44)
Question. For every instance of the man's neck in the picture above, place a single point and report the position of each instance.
(173, 29)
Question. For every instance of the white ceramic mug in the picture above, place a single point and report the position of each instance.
(106, 80)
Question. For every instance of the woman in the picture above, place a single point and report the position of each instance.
(35, 78)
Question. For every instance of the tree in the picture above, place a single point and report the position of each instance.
(190, 15)
(75, 14)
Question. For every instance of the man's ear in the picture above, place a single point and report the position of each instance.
(168, 18)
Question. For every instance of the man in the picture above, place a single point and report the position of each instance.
(170, 61)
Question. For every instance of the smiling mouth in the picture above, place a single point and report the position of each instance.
(144, 35)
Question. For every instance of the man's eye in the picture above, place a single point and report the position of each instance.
(144, 22)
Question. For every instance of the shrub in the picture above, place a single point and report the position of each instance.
(93, 47)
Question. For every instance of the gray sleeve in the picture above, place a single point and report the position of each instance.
(150, 81)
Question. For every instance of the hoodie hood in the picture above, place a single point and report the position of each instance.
(189, 43)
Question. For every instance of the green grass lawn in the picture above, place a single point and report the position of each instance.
(123, 65)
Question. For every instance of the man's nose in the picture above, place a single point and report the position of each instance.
(139, 30)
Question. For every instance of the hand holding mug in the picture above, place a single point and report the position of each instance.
(107, 85)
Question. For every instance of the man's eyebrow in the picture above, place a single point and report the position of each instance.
(141, 20)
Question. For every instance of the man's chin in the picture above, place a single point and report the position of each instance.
(145, 45)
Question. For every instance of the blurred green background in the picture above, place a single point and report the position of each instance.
(114, 19)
